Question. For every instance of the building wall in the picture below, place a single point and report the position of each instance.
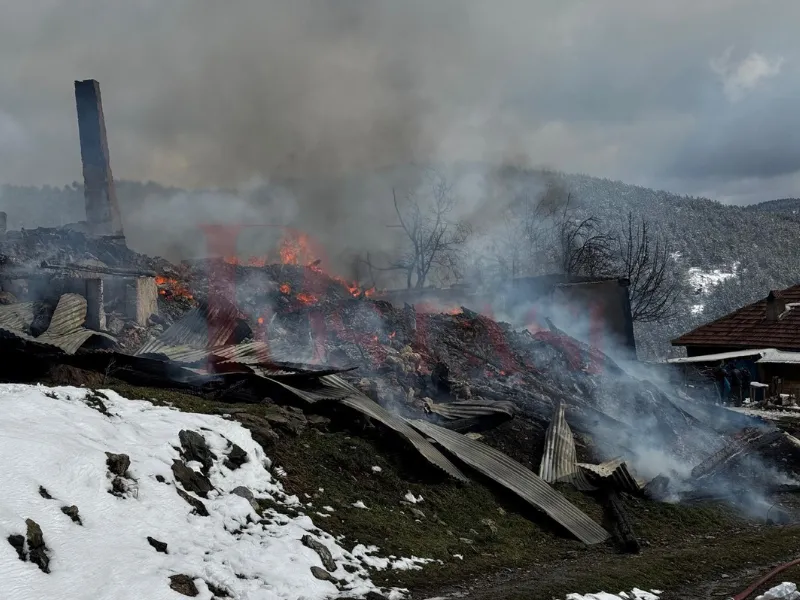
(789, 374)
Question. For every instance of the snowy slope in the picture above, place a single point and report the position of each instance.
(53, 438)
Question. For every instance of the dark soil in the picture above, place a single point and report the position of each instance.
(491, 545)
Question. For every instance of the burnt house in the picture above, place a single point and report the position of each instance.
(89, 258)
(762, 337)
(594, 310)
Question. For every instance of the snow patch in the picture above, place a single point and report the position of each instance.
(634, 594)
(409, 497)
(51, 437)
(784, 591)
(705, 280)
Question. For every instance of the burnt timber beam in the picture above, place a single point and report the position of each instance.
(102, 208)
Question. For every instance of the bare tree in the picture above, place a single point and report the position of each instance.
(525, 240)
(644, 259)
(434, 239)
(585, 249)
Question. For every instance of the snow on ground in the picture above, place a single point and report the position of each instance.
(51, 437)
(784, 591)
(772, 415)
(635, 594)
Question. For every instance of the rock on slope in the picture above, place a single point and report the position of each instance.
(104, 497)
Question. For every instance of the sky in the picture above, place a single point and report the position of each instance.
(693, 96)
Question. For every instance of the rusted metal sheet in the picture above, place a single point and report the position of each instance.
(520, 480)
(470, 410)
(559, 461)
(613, 474)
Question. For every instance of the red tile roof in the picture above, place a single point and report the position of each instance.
(748, 327)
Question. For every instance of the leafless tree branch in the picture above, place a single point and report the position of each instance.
(644, 259)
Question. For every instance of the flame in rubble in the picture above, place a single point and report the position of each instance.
(172, 287)
(305, 298)
(296, 248)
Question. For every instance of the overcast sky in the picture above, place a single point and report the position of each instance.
(694, 96)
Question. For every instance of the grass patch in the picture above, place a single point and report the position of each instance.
(493, 531)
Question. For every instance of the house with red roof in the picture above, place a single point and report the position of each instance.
(763, 337)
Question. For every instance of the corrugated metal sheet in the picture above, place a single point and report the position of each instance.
(248, 353)
(559, 461)
(65, 332)
(366, 406)
(515, 477)
(333, 387)
(780, 357)
(66, 329)
(717, 357)
(193, 331)
(314, 392)
(182, 354)
(17, 316)
(69, 315)
(615, 474)
(469, 410)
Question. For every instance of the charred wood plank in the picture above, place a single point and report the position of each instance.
(622, 528)
(118, 271)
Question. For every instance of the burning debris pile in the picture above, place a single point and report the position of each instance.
(287, 332)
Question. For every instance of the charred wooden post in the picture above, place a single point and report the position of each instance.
(102, 209)
(622, 527)
(142, 300)
(95, 307)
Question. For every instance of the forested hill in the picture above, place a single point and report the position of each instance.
(734, 254)
(731, 255)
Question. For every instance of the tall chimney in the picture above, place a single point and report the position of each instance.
(102, 209)
(775, 306)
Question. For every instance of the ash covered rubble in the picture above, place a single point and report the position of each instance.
(530, 410)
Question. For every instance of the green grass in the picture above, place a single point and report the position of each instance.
(492, 530)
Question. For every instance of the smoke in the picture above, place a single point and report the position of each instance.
(173, 226)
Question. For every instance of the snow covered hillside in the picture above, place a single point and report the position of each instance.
(703, 281)
(107, 498)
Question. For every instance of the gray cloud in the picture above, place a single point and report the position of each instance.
(202, 93)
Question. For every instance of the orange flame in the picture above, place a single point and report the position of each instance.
(306, 298)
(172, 287)
(296, 248)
